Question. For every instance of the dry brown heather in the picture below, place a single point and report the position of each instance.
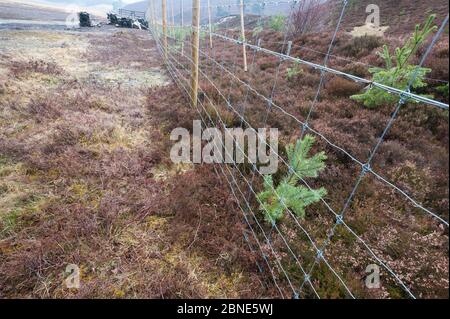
(86, 178)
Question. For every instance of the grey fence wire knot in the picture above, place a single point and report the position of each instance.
(262, 237)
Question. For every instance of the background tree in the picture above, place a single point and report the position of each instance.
(308, 16)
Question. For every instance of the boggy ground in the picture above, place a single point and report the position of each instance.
(85, 178)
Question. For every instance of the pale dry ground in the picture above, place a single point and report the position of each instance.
(66, 49)
(81, 96)
(369, 29)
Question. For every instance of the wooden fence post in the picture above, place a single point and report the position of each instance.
(164, 26)
(148, 13)
(182, 27)
(173, 17)
(195, 50)
(173, 12)
(244, 47)
(152, 12)
(210, 24)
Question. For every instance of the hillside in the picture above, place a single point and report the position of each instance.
(400, 15)
(17, 10)
(137, 6)
(216, 13)
(51, 11)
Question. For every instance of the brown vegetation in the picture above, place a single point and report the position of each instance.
(414, 157)
(86, 180)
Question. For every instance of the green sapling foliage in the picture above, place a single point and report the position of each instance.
(275, 200)
(398, 72)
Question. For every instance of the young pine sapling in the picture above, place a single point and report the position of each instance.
(275, 200)
(293, 72)
(277, 22)
(398, 72)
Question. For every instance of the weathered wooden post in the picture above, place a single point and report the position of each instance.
(148, 13)
(182, 27)
(164, 26)
(195, 50)
(173, 17)
(152, 13)
(210, 25)
(244, 48)
(173, 13)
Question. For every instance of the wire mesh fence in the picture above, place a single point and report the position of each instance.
(249, 71)
(131, 14)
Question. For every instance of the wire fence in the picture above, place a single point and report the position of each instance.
(293, 255)
(131, 14)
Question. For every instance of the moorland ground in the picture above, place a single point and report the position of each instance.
(86, 178)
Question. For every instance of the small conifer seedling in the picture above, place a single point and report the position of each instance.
(276, 200)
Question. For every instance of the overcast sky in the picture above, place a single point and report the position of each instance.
(84, 2)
